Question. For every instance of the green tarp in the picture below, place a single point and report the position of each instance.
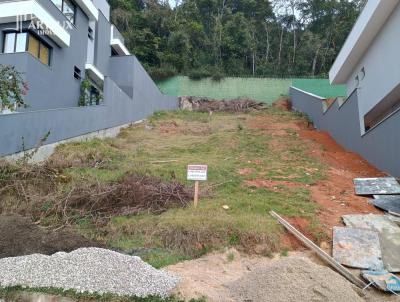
(261, 89)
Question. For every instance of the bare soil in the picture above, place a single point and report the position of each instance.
(230, 276)
(334, 193)
(20, 236)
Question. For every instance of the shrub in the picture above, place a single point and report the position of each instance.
(161, 73)
(217, 76)
(12, 88)
(199, 74)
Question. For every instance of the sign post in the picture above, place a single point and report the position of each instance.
(196, 173)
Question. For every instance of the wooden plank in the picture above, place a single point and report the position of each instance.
(322, 254)
(196, 193)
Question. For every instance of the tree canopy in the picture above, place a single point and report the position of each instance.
(236, 37)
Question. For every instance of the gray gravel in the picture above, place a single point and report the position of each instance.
(91, 270)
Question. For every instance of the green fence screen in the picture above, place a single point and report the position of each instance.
(261, 89)
(320, 87)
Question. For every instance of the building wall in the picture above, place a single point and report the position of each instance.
(382, 66)
(129, 94)
(104, 7)
(102, 51)
(121, 71)
(28, 128)
(379, 146)
(54, 86)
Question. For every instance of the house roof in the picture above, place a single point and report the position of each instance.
(368, 25)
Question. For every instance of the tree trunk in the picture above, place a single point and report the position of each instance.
(294, 45)
(268, 44)
(254, 62)
(280, 48)
(314, 65)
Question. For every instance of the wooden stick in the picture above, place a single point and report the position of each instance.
(196, 193)
(394, 213)
(328, 259)
(163, 161)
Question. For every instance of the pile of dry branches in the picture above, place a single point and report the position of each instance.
(36, 191)
(209, 105)
(132, 195)
(26, 186)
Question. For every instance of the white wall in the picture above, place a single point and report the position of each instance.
(382, 66)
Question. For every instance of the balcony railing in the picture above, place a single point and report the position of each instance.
(117, 42)
(116, 34)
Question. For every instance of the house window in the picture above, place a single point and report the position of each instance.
(114, 52)
(67, 7)
(14, 42)
(386, 107)
(77, 73)
(38, 49)
(90, 33)
(21, 42)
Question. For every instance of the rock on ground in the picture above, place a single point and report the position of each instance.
(293, 279)
(91, 270)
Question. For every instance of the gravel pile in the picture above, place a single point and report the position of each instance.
(293, 280)
(91, 270)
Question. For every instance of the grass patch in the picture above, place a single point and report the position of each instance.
(18, 293)
(183, 137)
(228, 144)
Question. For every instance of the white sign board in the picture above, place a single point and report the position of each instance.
(197, 172)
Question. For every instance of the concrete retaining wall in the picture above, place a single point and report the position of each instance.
(380, 146)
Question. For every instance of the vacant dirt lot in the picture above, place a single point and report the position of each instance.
(258, 161)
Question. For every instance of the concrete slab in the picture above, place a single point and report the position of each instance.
(386, 196)
(389, 235)
(388, 205)
(376, 186)
(357, 248)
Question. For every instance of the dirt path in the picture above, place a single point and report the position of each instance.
(230, 276)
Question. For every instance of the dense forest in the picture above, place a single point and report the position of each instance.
(235, 37)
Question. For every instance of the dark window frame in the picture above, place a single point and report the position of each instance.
(77, 73)
(29, 33)
(90, 33)
(5, 33)
(62, 9)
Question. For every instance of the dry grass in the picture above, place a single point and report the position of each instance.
(229, 144)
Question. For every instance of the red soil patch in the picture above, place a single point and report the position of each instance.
(335, 194)
(290, 241)
(336, 156)
(284, 104)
